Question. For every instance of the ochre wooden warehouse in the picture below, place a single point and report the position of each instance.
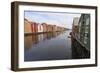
(27, 26)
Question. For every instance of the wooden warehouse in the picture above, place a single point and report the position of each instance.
(40, 27)
(34, 27)
(27, 26)
(45, 29)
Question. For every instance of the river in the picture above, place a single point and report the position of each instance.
(48, 46)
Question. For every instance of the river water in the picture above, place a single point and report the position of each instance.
(48, 46)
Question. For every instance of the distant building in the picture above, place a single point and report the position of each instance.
(45, 27)
(40, 27)
(50, 28)
(75, 25)
(54, 28)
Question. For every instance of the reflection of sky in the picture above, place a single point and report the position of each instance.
(60, 19)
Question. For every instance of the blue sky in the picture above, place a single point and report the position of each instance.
(59, 19)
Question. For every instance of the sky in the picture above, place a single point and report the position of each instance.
(53, 18)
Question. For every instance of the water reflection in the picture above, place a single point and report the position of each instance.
(28, 41)
(47, 46)
(36, 38)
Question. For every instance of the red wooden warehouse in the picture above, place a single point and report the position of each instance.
(34, 27)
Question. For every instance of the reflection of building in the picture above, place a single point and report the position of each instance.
(35, 39)
(27, 26)
(44, 36)
(28, 41)
(40, 37)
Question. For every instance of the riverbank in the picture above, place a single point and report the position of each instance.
(31, 33)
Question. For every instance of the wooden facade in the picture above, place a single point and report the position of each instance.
(27, 26)
(34, 27)
(45, 29)
(40, 27)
